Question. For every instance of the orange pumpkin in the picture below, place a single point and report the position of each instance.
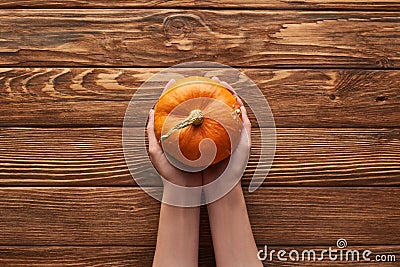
(194, 109)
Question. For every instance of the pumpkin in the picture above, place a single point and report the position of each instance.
(195, 109)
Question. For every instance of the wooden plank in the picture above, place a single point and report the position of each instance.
(165, 37)
(60, 256)
(55, 256)
(298, 98)
(242, 4)
(94, 157)
(127, 216)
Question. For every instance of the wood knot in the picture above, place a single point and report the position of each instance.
(177, 30)
(381, 98)
(177, 26)
(384, 62)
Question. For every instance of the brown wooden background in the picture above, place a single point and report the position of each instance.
(329, 69)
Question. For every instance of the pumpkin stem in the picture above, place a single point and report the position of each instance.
(196, 118)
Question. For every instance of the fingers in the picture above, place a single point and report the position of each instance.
(225, 84)
(239, 158)
(154, 146)
(230, 88)
(168, 85)
(246, 123)
(239, 101)
(245, 118)
(215, 78)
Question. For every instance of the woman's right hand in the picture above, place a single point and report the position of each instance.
(162, 165)
(239, 157)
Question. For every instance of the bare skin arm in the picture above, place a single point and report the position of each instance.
(178, 230)
(233, 240)
(232, 236)
(178, 237)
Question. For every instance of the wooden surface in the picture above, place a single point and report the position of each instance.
(298, 98)
(329, 70)
(105, 216)
(118, 226)
(94, 157)
(165, 37)
(215, 4)
(128, 256)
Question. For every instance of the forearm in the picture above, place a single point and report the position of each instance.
(233, 239)
(178, 237)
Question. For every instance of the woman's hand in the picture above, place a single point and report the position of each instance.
(162, 165)
(160, 161)
(239, 156)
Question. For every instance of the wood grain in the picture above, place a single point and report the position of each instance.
(304, 157)
(56, 256)
(242, 4)
(100, 97)
(165, 37)
(59, 256)
(127, 216)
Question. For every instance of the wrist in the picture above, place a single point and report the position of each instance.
(232, 198)
(181, 196)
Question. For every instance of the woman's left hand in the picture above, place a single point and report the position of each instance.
(160, 161)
